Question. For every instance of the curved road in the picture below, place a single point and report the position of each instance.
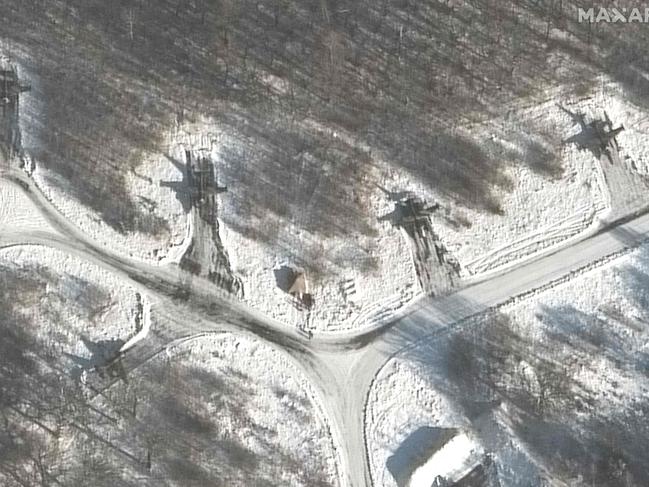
(341, 367)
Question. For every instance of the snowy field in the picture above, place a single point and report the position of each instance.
(17, 213)
(554, 387)
(627, 178)
(168, 240)
(165, 246)
(345, 295)
(404, 402)
(555, 191)
(59, 317)
(349, 296)
(225, 409)
(392, 417)
(71, 305)
(166, 243)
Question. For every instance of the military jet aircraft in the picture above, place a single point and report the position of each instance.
(10, 90)
(10, 86)
(598, 135)
(198, 179)
(105, 359)
(606, 134)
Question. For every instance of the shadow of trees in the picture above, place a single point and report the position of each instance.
(171, 424)
(185, 425)
(399, 76)
(38, 398)
(533, 384)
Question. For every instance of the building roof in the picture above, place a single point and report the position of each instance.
(299, 285)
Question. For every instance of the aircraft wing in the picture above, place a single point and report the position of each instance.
(176, 163)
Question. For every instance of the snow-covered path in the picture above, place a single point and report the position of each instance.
(17, 212)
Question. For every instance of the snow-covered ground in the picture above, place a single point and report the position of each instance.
(627, 178)
(283, 403)
(538, 211)
(549, 385)
(349, 298)
(144, 186)
(344, 297)
(400, 402)
(554, 191)
(404, 401)
(17, 212)
(603, 315)
(259, 418)
(72, 306)
(229, 408)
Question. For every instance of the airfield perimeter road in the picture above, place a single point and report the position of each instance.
(341, 367)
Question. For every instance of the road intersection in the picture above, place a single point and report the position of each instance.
(340, 366)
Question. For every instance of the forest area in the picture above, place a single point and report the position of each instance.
(397, 77)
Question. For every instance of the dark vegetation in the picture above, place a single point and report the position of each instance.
(36, 402)
(156, 430)
(400, 76)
